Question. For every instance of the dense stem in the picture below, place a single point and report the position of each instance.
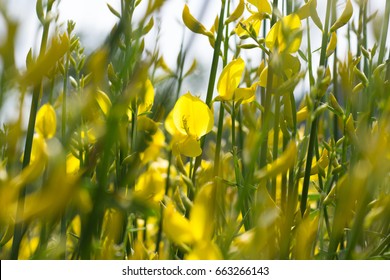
(313, 131)
(19, 227)
(385, 29)
(213, 76)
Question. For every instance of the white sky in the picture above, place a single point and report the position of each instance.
(94, 22)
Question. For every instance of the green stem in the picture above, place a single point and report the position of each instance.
(167, 185)
(213, 76)
(275, 143)
(20, 227)
(267, 103)
(385, 28)
(313, 131)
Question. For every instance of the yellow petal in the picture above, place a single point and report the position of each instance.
(72, 164)
(145, 101)
(304, 11)
(280, 34)
(322, 163)
(332, 44)
(205, 250)
(192, 116)
(59, 46)
(150, 186)
(310, 10)
(238, 11)
(176, 227)
(170, 125)
(252, 22)
(276, 81)
(245, 94)
(37, 164)
(189, 147)
(202, 213)
(263, 6)
(46, 121)
(230, 78)
(344, 18)
(103, 101)
(282, 164)
(302, 114)
(193, 24)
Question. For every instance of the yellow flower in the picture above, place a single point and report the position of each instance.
(72, 164)
(285, 35)
(189, 120)
(103, 101)
(145, 101)
(196, 231)
(176, 227)
(192, 116)
(344, 18)
(144, 98)
(206, 250)
(150, 186)
(229, 81)
(286, 67)
(263, 6)
(253, 22)
(46, 121)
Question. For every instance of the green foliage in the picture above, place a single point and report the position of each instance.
(119, 162)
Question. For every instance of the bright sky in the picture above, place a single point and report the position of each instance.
(94, 22)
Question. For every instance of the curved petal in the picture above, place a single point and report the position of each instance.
(230, 78)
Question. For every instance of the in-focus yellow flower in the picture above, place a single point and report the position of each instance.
(253, 22)
(192, 116)
(189, 120)
(230, 79)
(46, 121)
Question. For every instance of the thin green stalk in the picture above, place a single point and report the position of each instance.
(267, 103)
(313, 131)
(385, 29)
(309, 56)
(283, 195)
(275, 149)
(63, 135)
(233, 116)
(221, 107)
(20, 227)
(213, 76)
(167, 187)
